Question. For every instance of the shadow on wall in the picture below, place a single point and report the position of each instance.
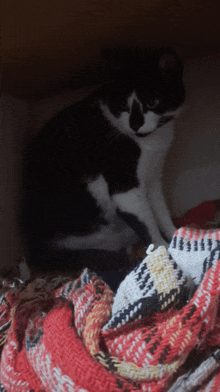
(193, 163)
(13, 118)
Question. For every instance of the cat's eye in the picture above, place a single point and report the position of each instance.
(118, 107)
(153, 104)
(124, 107)
(165, 119)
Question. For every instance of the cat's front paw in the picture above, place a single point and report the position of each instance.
(160, 242)
(169, 232)
(157, 241)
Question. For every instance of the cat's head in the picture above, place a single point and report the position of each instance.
(145, 89)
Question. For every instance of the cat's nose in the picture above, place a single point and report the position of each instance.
(136, 119)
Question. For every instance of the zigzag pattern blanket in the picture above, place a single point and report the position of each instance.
(159, 332)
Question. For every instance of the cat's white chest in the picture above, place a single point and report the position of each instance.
(144, 168)
(151, 158)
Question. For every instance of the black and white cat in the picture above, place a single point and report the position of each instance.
(92, 177)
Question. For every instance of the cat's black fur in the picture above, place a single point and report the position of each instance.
(80, 154)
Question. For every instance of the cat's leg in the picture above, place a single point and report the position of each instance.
(157, 201)
(133, 204)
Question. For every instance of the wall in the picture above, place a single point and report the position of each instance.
(44, 39)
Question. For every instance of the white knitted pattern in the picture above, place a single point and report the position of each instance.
(190, 247)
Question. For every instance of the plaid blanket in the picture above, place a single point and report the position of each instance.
(159, 332)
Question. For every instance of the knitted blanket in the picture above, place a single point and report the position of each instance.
(159, 332)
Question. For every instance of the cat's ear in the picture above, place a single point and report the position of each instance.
(170, 62)
(114, 55)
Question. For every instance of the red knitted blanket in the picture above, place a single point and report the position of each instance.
(159, 332)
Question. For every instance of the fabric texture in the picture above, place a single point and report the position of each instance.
(159, 332)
